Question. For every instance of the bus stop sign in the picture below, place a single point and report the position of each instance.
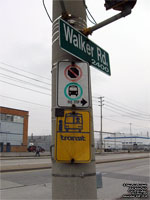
(73, 84)
(73, 137)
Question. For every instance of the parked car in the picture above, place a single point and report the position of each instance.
(33, 148)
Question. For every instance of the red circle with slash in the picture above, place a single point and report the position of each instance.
(73, 73)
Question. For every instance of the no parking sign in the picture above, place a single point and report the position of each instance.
(73, 72)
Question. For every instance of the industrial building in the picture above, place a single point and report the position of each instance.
(127, 143)
(44, 141)
(13, 130)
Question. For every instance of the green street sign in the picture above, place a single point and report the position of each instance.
(77, 44)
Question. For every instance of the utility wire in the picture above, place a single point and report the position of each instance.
(3, 63)
(118, 112)
(24, 101)
(47, 12)
(126, 111)
(91, 16)
(24, 87)
(93, 22)
(125, 108)
(25, 82)
(90, 20)
(16, 73)
(134, 125)
(115, 120)
(111, 119)
(128, 107)
(49, 107)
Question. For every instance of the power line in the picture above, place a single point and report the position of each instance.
(12, 66)
(24, 101)
(112, 119)
(130, 112)
(24, 87)
(87, 10)
(16, 73)
(22, 81)
(115, 120)
(120, 110)
(90, 20)
(47, 12)
(134, 125)
(131, 115)
(16, 99)
(147, 114)
(125, 108)
(127, 114)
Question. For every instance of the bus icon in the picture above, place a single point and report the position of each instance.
(73, 90)
(73, 122)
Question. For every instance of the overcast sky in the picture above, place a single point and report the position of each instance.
(25, 54)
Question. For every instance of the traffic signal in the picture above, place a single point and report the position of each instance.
(119, 4)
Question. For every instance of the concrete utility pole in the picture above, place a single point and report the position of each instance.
(130, 129)
(130, 132)
(70, 180)
(101, 122)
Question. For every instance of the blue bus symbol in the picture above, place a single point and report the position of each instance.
(73, 122)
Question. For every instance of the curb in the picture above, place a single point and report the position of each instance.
(25, 168)
(120, 160)
(23, 158)
(49, 165)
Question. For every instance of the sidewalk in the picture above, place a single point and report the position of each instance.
(4, 155)
(120, 157)
(44, 162)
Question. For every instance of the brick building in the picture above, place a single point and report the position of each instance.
(13, 130)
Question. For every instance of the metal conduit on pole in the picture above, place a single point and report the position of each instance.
(70, 180)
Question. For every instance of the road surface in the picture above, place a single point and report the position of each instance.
(36, 185)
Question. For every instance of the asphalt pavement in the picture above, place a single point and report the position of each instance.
(37, 184)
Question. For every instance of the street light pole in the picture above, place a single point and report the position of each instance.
(70, 180)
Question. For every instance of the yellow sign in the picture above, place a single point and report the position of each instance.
(73, 137)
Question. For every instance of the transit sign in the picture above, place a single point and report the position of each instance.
(73, 84)
(77, 44)
(73, 137)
